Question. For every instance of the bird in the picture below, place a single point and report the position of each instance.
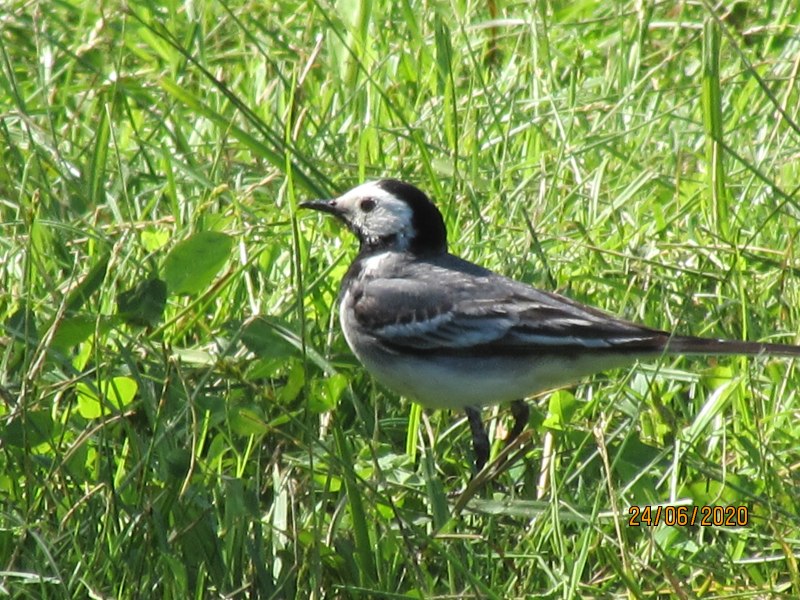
(450, 334)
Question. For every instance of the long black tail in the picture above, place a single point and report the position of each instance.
(686, 344)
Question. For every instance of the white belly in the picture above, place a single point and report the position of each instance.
(456, 382)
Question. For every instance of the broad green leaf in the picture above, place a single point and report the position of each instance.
(29, 429)
(294, 382)
(325, 393)
(154, 239)
(78, 328)
(144, 303)
(561, 409)
(117, 394)
(90, 284)
(193, 263)
(273, 339)
(246, 421)
(22, 326)
(267, 337)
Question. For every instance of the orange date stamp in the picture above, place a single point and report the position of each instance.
(682, 516)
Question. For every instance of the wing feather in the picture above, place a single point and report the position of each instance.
(446, 309)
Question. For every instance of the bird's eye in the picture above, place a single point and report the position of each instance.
(367, 204)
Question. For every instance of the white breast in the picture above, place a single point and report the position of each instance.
(376, 264)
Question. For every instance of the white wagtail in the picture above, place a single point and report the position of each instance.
(447, 333)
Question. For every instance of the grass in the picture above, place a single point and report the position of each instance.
(181, 416)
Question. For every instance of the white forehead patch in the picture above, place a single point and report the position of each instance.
(389, 216)
(370, 189)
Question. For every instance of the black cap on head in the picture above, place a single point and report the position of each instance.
(431, 233)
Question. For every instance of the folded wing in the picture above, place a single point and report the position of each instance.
(450, 310)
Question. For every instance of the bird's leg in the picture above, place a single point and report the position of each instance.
(521, 412)
(480, 441)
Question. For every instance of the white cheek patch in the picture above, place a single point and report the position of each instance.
(389, 217)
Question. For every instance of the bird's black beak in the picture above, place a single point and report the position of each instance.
(326, 206)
